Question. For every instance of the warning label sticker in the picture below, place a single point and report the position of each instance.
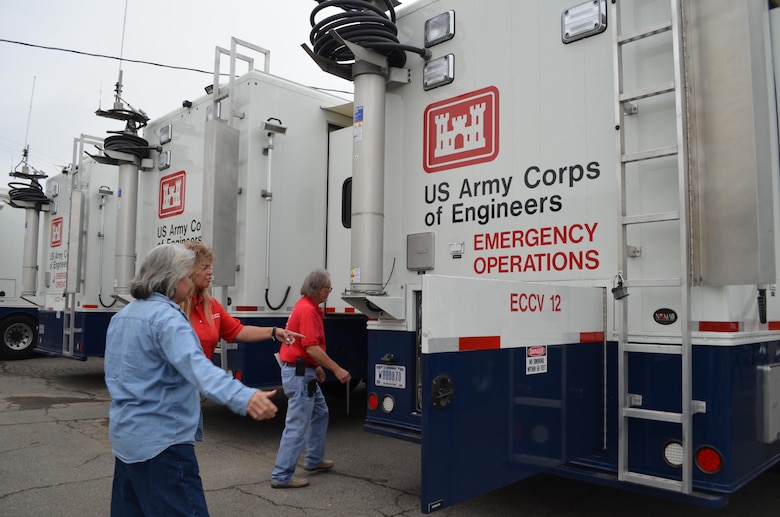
(535, 360)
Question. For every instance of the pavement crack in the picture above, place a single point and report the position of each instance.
(54, 485)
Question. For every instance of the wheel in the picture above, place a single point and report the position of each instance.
(18, 336)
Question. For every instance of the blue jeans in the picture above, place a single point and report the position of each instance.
(306, 424)
(168, 484)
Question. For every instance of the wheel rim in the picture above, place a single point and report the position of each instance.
(18, 336)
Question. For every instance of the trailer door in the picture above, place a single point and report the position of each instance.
(512, 382)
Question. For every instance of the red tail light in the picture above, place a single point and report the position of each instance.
(373, 401)
(709, 460)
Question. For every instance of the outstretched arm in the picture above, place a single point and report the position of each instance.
(251, 333)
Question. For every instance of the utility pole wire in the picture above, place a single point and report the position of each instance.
(91, 54)
(146, 62)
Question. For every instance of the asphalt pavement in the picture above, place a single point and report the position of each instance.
(55, 460)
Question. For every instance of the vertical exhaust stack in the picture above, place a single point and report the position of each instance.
(30, 253)
(368, 178)
(360, 44)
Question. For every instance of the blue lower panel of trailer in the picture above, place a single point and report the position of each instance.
(726, 378)
(10, 311)
(501, 423)
(394, 348)
(89, 339)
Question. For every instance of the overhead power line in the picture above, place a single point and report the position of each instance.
(116, 58)
(91, 54)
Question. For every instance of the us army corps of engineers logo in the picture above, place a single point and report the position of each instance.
(56, 232)
(171, 197)
(461, 131)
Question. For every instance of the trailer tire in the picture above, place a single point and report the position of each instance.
(18, 336)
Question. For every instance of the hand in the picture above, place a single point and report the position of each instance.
(320, 374)
(287, 336)
(343, 375)
(260, 406)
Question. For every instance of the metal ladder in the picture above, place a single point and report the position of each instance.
(630, 404)
(70, 333)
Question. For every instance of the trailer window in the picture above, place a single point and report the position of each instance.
(346, 203)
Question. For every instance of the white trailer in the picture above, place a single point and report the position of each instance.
(252, 183)
(564, 233)
(78, 255)
(244, 169)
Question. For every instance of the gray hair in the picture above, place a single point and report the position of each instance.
(161, 270)
(314, 280)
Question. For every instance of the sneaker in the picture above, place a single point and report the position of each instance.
(324, 465)
(293, 483)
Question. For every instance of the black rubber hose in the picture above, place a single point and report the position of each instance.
(129, 144)
(286, 293)
(32, 193)
(361, 23)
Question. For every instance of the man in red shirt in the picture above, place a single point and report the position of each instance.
(302, 368)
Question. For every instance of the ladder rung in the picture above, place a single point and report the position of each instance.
(645, 32)
(652, 414)
(653, 348)
(649, 155)
(651, 218)
(653, 282)
(650, 91)
(652, 481)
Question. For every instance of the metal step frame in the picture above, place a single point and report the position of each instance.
(628, 403)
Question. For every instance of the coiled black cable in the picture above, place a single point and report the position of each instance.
(32, 193)
(361, 23)
(129, 144)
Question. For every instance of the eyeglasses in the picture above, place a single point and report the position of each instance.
(326, 287)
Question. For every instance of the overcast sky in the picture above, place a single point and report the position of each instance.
(69, 87)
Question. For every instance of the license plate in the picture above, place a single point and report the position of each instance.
(390, 376)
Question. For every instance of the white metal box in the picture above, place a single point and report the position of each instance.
(769, 403)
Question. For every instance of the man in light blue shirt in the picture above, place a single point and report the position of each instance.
(155, 371)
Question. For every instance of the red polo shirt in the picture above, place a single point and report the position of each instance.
(306, 318)
(225, 325)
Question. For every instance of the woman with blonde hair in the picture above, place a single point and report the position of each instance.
(210, 319)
